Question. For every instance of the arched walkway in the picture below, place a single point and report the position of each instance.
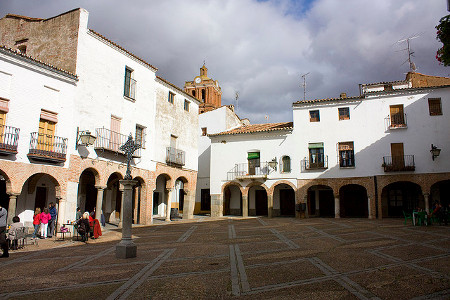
(87, 192)
(353, 201)
(38, 191)
(232, 200)
(4, 196)
(112, 199)
(137, 197)
(320, 200)
(257, 201)
(401, 196)
(178, 195)
(161, 195)
(440, 192)
(283, 200)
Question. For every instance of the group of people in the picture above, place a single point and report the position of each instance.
(87, 225)
(442, 213)
(45, 220)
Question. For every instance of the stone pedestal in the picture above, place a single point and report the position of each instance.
(12, 207)
(98, 207)
(126, 248)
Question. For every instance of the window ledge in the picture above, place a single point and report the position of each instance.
(346, 167)
(129, 99)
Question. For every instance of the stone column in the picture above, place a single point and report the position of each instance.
(245, 205)
(126, 248)
(189, 203)
(427, 202)
(317, 199)
(337, 207)
(169, 204)
(369, 208)
(121, 189)
(270, 206)
(12, 207)
(305, 200)
(61, 213)
(98, 206)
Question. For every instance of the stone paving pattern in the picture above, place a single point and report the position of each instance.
(255, 258)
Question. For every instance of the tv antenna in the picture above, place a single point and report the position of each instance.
(412, 65)
(236, 96)
(304, 85)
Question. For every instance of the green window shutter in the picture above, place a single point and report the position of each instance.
(253, 155)
(315, 145)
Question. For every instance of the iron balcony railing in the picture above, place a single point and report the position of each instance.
(396, 121)
(246, 170)
(111, 141)
(130, 88)
(398, 163)
(9, 139)
(315, 162)
(47, 147)
(175, 156)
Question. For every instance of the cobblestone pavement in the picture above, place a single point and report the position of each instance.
(255, 258)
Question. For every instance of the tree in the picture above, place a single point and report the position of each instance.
(443, 35)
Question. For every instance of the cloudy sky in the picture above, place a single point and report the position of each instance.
(261, 48)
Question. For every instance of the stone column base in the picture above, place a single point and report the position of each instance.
(126, 250)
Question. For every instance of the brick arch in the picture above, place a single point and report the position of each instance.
(34, 178)
(255, 183)
(229, 183)
(104, 181)
(394, 179)
(93, 171)
(170, 183)
(303, 190)
(433, 179)
(9, 185)
(272, 188)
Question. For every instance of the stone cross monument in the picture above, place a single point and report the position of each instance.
(126, 248)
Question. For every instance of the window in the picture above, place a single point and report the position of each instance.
(314, 116)
(344, 113)
(171, 96)
(346, 155)
(114, 141)
(434, 106)
(253, 163)
(140, 136)
(186, 105)
(130, 84)
(285, 164)
(204, 131)
(316, 155)
(47, 127)
(397, 116)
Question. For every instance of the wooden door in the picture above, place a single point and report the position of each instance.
(115, 134)
(41, 197)
(205, 200)
(287, 202)
(397, 116)
(2, 125)
(155, 202)
(46, 135)
(398, 160)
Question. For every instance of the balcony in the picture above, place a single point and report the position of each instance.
(396, 121)
(175, 157)
(249, 171)
(316, 162)
(9, 138)
(108, 140)
(45, 147)
(398, 163)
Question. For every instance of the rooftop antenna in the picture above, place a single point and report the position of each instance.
(412, 65)
(236, 96)
(304, 85)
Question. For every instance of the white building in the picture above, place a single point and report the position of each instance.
(113, 94)
(363, 156)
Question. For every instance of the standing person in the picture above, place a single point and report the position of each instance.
(45, 218)
(52, 223)
(36, 221)
(3, 241)
(79, 214)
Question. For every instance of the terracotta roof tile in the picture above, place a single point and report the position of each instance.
(252, 128)
(328, 99)
(18, 53)
(123, 49)
(14, 16)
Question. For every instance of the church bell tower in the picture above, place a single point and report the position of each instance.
(206, 90)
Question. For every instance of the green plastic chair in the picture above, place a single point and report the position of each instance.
(407, 216)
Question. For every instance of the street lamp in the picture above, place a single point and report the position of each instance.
(435, 151)
(84, 138)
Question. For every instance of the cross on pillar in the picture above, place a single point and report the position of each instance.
(128, 148)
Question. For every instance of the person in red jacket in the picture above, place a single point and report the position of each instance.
(36, 221)
(45, 218)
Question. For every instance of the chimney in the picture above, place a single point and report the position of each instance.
(343, 95)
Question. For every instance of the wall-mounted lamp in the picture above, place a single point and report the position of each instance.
(273, 163)
(435, 151)
(84, 138)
